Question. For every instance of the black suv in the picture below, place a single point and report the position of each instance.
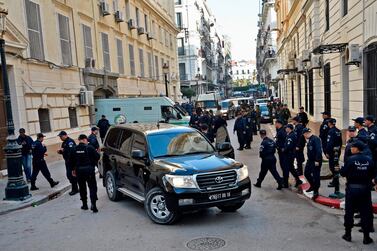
(171, 169)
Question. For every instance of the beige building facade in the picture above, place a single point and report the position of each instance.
(63, 54)
(327, 54)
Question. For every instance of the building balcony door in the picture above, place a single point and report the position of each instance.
(3, 124)
(370, 80)
(327, 86)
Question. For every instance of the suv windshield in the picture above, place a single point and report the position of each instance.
(178, 144)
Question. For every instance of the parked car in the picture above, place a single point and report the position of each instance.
(171, 169)
(261, 101)
(228, 109)
(265, 115)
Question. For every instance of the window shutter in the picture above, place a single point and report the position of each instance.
(141, 58)
(150, 65)
(87, 41)
(132, 59)
(34, 30)
(120, 56)
(65, 41)
(106, 52)
(157, 68)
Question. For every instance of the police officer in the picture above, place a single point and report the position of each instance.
(270, 111)
(303, 116)
(300, 145)
(333, 151)
(362, 133)
(285, 114)
(240, 128)
(84, 158)
(324, 129)
(92, 139)
(359, 172)
(248, 128)
(39, 164)
(289, 156)
(280, 137)
(65, 150)
(372, 141)
(103, 125)
(267, 154)
(314, 162)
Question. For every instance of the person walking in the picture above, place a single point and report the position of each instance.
(267, 154)
(240, 129)
(300, 144)
(324, 129)
(285, 114)
(26, 142)
(92, 139)
(270, 111)
(39, 164)
(218, 122)
(303, 116)
(103, 125)
(248, 120)
(280, 137)
(65, 150)
(314, 162)
(258, 116)
(333, 151)
(289, 156)
(359, 172)
(84, 158)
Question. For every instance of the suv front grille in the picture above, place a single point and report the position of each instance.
(217, 180)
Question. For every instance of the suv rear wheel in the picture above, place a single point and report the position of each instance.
(231, 208)
(111, 187)
(155, 207)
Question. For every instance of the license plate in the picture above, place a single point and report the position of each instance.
(219, 196)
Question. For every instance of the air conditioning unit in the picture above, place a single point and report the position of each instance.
(90, 63)
(105, 9)
(353, 55)
(306, 55)
(292, 55)
(316, 62)
(119, 16)
(140, 31)
(150, 36)
(131, 24)
(316, 43)
(86, 98)
(300, 65)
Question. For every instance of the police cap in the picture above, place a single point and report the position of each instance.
(290, 126)
(352, 129)
(358, 144)
(370, 118)
(305, 130)
(326, 113)
(62, 133)
(359, 120)
(332, 121)
(94, 128)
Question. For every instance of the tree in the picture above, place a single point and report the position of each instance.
(188, 93)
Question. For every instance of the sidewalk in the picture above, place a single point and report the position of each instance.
(45, 192)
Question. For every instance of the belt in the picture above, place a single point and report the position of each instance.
(357, 186)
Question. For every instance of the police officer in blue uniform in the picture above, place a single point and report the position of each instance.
(240, 129)
(362, 133)
(65, 150)
(333, 151)
(372, 141)
(83, 159)
(92, 139)
(249, 129)
(39, 164)
(314, 162)
(324, 129)
(359, 172)
(280, 137)
(267, 154)
(300, 145)
(289, 156)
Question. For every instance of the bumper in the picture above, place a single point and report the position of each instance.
(187, 200)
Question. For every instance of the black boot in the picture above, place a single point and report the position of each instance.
(94, 207)
(54, 183)
(33, 187)
(347, 235)
(367, 240)
(259, 185)
(298, 183)
(84, 205)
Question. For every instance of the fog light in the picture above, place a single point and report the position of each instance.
(245, 192)
(184, 202)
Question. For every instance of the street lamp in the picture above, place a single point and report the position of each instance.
(16, 188)
(165, 70)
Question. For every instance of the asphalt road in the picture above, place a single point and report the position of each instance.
(270, 220)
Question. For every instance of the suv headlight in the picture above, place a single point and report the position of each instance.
(181, 181)
(242, 173)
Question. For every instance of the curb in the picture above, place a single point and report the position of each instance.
(326, 201)
(53, 195)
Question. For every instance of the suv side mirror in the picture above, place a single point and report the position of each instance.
(224, 146)
(138, 154)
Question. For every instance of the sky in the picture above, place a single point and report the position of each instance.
(238, 19)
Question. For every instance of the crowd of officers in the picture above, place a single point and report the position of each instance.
(359, 169)
(80, 161)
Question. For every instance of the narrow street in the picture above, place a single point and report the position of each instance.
(270, 220)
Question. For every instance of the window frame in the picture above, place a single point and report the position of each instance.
(48, 120)
(73, 121)
(120, 55)
(30, 30)
(131, 51)
(141, 63)
(65, 40)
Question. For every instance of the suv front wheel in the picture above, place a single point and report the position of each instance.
(111, 187)
(155, 207)
(231, 208)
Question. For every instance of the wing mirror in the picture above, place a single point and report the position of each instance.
(224, 146)
(138, 154)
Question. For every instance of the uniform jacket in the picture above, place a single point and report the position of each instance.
(239, 125)
(334, 139)
(323, 131)
(83, 155)
(103, 125)
(348, 153)
(372, 142)
(304, 117)
(38, 150)
(93, 141)
(290, 143)
(314, 147)
(280, 138)
(363, 135)
(267, 149)
(26, 143)
(67, 146)
(300, 138)
(359, 169)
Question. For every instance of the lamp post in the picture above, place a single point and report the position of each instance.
(165, 70)
(16, 188)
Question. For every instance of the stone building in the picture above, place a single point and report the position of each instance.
(327, 55)
(244, 72)
(62, 55)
